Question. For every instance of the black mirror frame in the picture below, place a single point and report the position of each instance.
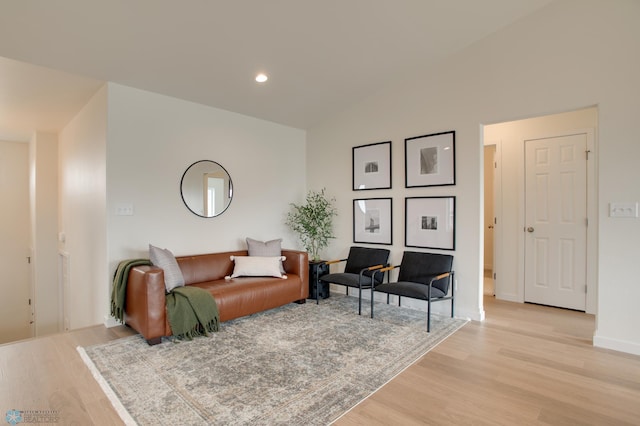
(230, 188)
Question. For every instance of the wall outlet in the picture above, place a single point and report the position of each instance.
(623, 209)
(124, 209)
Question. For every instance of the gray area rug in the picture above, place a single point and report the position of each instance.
(296, 365)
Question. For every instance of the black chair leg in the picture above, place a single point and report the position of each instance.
(372, 297)
(452, 283)
(359, 300)
(428, 315)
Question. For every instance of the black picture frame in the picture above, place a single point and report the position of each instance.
(430, 222)
(373, 221)
(371, 166)
(430, 160)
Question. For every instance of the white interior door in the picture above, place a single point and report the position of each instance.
(556, 221)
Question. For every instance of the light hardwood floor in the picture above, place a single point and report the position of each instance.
(524, 364)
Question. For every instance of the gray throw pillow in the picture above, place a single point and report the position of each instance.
(265, 249)
(164, 259)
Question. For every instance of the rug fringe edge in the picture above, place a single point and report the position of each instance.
(113, 399)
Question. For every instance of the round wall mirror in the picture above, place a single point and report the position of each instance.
(206, 188)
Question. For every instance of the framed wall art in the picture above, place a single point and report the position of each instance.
(430, 160)
(372, 219)
(372, 166)
(430, 222)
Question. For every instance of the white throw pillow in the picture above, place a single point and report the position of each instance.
(257, 266)
(164, 259)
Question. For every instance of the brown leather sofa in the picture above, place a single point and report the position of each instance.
(145, 309)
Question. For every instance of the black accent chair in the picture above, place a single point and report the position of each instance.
(424, 276)
(359, 271)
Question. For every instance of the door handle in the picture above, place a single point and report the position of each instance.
(530, 229)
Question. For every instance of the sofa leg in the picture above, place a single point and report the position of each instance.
(154, 341)
(301, 301)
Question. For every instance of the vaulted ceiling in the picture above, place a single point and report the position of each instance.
(321, 56)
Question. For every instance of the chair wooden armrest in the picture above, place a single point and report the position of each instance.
(331, 262)
(374, 268)
(441, 276)
(388, 268)
(382, 270)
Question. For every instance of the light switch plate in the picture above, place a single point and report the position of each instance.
(124, 209)
(623, 209)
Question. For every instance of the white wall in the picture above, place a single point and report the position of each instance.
(82, 184)
(569, 55)
(152, 139)
(43, 189)
(129, 146)
(509, 139)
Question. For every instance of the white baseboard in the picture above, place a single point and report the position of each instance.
(110, 321)
(509, 297)
(473, 316)
(437, 308)
(616, 345)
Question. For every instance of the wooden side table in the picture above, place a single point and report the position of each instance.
(318, 269)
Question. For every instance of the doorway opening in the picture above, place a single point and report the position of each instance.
(15, 254)
(515, 242)
(489, 218)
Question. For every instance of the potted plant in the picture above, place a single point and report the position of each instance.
(313, 222)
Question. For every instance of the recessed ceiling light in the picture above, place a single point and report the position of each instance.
(261, 78)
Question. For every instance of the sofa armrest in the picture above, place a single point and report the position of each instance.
(297, 262)
(145, 309)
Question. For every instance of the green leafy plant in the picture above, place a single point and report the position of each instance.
(313, 222)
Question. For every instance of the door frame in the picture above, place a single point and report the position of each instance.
(497, 213)
(592, 214)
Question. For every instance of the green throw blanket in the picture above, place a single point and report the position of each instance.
(192, 311)
(119, 289)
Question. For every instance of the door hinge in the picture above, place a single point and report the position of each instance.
(586, 221)
(494, 275)
(495, 165)
(29, 259)
(588, 152)
(29, 302)
(495, 220)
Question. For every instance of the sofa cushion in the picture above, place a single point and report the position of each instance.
(164, 259)
(257, 266)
